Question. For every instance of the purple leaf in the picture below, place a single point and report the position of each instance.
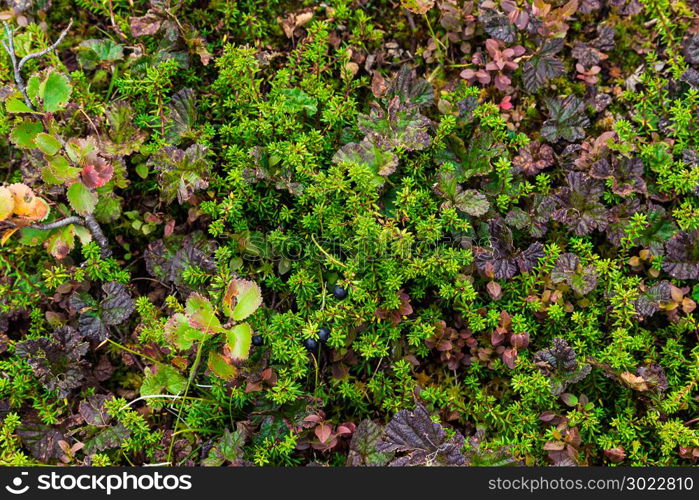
(424, 440)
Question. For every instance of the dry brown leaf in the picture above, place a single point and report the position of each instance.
(295, 20)
(634, 381)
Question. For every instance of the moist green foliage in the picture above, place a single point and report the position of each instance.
(280, 233)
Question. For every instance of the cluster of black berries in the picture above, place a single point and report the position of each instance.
(323, 334)
(312, 344)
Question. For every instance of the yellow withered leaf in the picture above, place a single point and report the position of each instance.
(7, 234)
(23, 197)
(26, 204)
(7, 203)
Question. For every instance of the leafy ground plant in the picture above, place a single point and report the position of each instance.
(349, 233)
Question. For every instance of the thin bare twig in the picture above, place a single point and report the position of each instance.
(17, 66)
(48, 49)
(10, 49)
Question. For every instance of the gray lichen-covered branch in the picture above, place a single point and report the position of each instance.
(89, 222)
(9, 45)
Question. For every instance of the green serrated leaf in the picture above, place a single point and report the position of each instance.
(17, 105)
(83, 234)
(33, 86)
(55, 91)
(238, 341)
(59, 171)
(81, 198)
(33, 237)
(93, 52)
(201, 314)
(108, 207)
(62, 241)
(166, 378)
(23, 134)
(242, 298)
(179, 333)
(47, 143)
(221, 366)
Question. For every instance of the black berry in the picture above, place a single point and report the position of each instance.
(339, 292)
(311, 344)
(257, 340)
(323, 335)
